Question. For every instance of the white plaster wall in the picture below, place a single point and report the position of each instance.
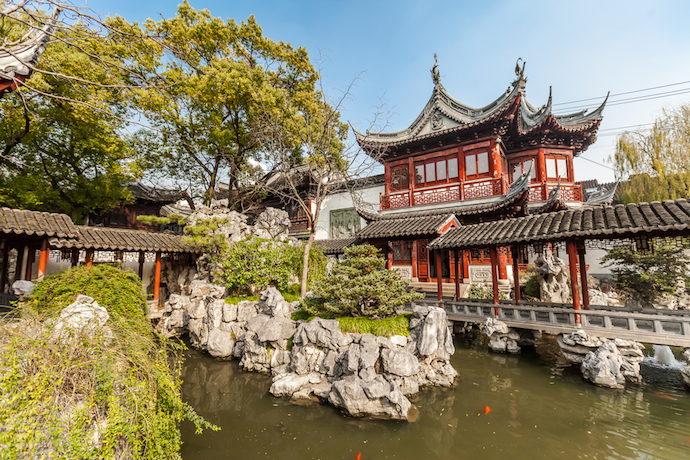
(369, 195)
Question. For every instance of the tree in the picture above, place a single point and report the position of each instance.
(360, 286)
(62, 140)
(657, 161)
(219, 76)
(649, 274)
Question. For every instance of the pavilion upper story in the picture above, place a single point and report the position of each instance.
(456, 153)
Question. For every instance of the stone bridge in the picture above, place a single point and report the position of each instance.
(648, 326)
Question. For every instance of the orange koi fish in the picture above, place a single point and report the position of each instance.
(359, 455)
(665, 396)
(486, 409)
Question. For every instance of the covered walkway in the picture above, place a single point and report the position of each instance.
(633, 225)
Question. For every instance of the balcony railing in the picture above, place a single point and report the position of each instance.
(540, 192)
(454, 192)
(298, 224)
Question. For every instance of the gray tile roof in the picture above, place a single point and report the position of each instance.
(35, 223)
(125, 240)
(405, 226)
(595, 222)
(334, 246)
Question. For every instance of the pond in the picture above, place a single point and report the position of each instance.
(517, 407)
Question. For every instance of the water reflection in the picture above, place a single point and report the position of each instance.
(538, 408)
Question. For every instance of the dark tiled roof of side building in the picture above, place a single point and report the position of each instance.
(36, 223)
(335, 246)
(100, 238)
(406, 226)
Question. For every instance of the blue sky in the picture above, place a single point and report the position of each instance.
(581, 48)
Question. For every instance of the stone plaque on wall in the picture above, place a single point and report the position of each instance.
(344, 223)
(405, 271)
(480, 274)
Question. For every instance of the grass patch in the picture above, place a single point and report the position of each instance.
(397, 325)
(237, 299)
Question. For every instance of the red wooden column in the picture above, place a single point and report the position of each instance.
(439, 277)
(571, 248)
(457, 274)
(157, 281)
(5, 265)
(142, 259)
(516, 275)
(43, 260)
(75, 257)
(465, 265)
(494, 275)
(88, 258)
(583, 275)
(502, 266)
(30, 259)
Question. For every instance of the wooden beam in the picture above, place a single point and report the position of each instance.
(75, 257)
(571, 249)
(458, 273)
(439, 276)
(19, 263)
(142, 259)
(516, 275)
(43, 260)
(5, 265)
(157, 280)
(583, 276)
(494, 275)
(88, 258)
(30, 259)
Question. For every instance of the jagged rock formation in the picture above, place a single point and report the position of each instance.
(506, 339)
(552, 275)
(273, 224)
(685, 370)
(83, 316)
(366, 375)
(22, 289)
(605, 362)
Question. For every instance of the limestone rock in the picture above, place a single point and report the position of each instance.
(399, 340)
(378, 398)
(324, 333)
(603, 367)
(272, 224)
(552, 275)
(501, 337)
(82, 316)
(22, 289)
(432, 333)
(220, 343)
(272, 303)
(685, 374)
(492, 325)
(399, 362)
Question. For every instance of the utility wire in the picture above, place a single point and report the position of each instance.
(596, 162)
(622, 94)
(647, 97)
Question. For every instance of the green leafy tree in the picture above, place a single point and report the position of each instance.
(649, 274)
(218, 76)
(62, 145)
(360, 286)
(656, 161)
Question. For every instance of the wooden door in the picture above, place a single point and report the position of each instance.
(423, 260)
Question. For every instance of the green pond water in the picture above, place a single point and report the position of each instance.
(537, 410)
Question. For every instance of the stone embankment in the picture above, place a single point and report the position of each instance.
(361, 374)
(507, 339)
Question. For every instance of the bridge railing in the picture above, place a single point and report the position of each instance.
(556, 318)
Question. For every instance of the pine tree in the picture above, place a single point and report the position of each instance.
(360, 286)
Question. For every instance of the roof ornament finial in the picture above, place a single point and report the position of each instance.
(435, 75)
(520, 73)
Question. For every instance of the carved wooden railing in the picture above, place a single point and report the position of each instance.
(484, 188)
(437, 195)
(540, 191)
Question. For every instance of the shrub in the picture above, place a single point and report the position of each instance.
(124, 385)
(396, 325)
(252, 265)
(484, 291)
(650, 274)
(359, 286)
(118, 291)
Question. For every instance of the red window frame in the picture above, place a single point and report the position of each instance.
(434, 164)
(521, 162)
(401, 250)
(475, 153)
(404, 174)
(555, 159)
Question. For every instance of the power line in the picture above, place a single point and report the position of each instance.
(596, 162)
(647, 97)
(622, 94)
